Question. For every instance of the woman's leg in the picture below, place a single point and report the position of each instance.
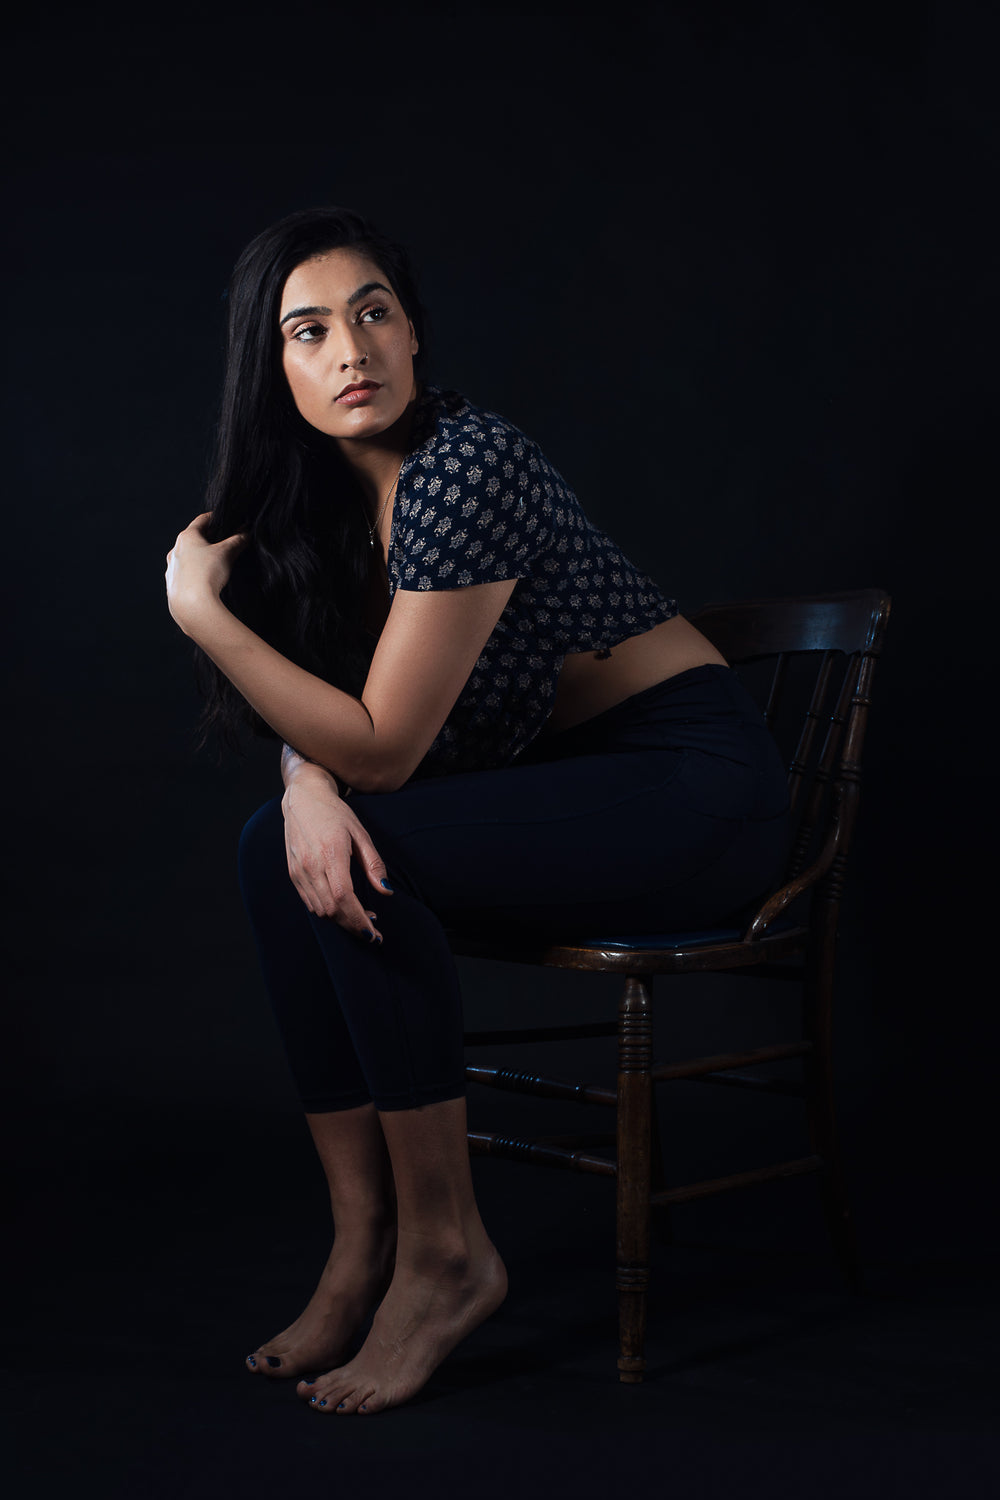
(448, 1277)
(596, 842)
(351, 1148)
(341, 1118)
(403, 1008)
(359, 1021)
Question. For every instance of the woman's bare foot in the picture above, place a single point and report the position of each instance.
(353, 1280)
(435, 1300)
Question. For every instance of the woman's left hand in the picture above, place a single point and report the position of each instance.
(197, 569)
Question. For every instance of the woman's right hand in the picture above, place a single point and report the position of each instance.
(321, 834)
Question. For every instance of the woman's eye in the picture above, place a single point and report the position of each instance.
(373, 315)
(309, 333)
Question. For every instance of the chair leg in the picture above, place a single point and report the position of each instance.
(818, 1027)
(635, 1060)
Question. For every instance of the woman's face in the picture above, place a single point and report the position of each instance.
(347, 346)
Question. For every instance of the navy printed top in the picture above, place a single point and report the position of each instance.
(477, 502)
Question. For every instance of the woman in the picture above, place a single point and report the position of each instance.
(494, 717)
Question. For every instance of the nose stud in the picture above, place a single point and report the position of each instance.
(363, 360)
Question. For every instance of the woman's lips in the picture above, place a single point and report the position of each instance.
(356, 395)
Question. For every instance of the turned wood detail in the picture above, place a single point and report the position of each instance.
(634, 1161)
(635, 1027)
(543, 1088)
(485, 1144)
(632, 1278)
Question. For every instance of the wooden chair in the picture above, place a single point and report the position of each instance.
(821, 652)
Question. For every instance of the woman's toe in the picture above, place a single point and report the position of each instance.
(265, 1362)
(318, 1393)
(352, 1401)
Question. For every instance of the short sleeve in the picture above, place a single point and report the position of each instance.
(471, 508)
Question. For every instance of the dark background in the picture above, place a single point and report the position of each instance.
(732, 266)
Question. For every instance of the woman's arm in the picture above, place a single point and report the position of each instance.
(322, 833)
(428, 647)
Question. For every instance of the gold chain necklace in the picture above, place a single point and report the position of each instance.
(373, 529)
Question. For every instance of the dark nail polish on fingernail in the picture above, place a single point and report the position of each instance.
(273, 1361)
(386, 886)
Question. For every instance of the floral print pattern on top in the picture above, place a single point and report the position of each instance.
(478, 502)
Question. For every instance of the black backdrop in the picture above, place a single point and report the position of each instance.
(729, 264)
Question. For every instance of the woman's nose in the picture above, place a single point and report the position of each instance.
(353, 354)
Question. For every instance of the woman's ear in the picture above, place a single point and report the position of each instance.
(414, 345)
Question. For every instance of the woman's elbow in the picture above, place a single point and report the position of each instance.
(381, 774)
(378, 782)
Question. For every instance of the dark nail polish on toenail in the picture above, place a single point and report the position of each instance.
(362, 1408)
(312, 1400)
(323, 1402)
(251, 1362)
(273, 1361)
(308, 1382)
(341, 1406)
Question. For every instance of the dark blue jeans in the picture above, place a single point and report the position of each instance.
(668, 812)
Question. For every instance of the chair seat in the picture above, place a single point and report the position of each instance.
(668, 940)
(638, 953)
(696, 939)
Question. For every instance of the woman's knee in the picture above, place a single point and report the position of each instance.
(262, 842)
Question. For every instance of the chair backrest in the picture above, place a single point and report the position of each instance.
(810, 663)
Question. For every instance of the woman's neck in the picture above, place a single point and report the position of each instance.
(375, 462)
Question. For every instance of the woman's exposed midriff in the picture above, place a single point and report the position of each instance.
(590, 683)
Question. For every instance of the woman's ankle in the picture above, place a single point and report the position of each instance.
(372, 1236)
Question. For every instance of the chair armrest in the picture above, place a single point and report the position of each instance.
(792, 889)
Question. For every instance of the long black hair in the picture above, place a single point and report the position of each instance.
(299, 584)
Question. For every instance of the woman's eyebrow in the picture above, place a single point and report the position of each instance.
(301, 312)
(362, 291)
